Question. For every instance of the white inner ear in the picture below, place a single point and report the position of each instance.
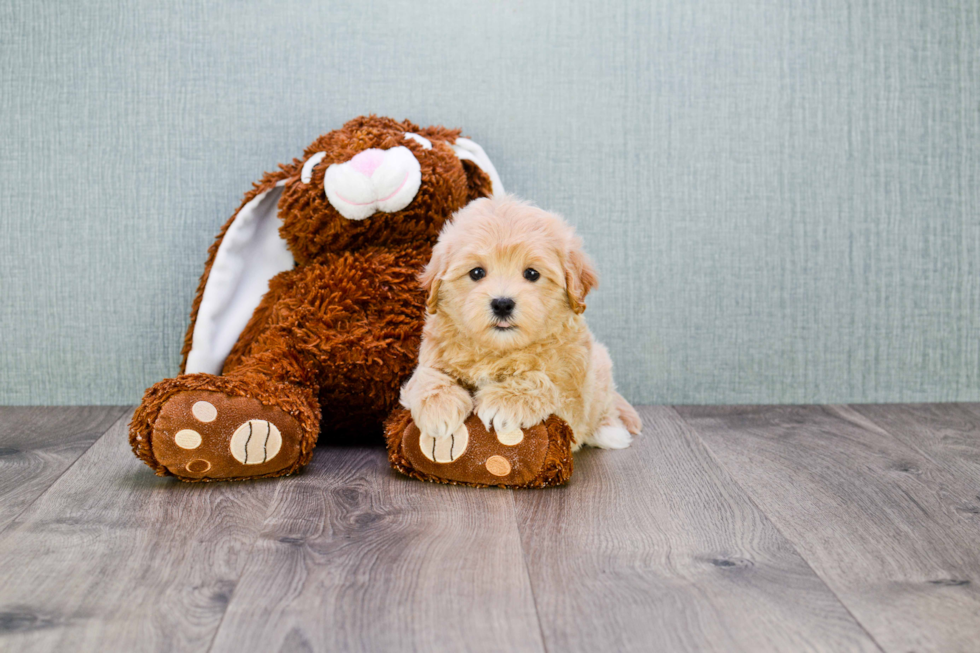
(307, 173)
(421, 140)
(251, 253)
(470, 151)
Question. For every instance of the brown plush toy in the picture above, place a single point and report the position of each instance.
(309, 312)
(540, 457)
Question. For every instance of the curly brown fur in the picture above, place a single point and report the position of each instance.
(295, 401)
(335, 337)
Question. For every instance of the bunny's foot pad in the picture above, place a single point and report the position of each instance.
(205, 434)
(540, 456)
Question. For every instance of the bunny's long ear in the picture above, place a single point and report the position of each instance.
(250, 252)
(467, 150)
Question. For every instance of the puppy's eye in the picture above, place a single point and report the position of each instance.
(477, 273)
(531, 274)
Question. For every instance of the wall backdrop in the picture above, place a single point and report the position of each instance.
(783, 198)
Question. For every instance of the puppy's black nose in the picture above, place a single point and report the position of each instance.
(502, 306)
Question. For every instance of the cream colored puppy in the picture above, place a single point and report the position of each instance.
(505, 334)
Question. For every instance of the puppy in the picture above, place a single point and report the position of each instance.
(504, 334)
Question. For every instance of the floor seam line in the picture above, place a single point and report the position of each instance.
(247, 557)
(789, 540)
(527, 573)
(911, 443)
(6, 529)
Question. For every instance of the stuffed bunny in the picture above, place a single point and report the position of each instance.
(309, 312)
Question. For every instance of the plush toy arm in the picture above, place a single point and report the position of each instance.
(537, 457)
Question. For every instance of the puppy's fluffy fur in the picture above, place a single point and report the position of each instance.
(516, 370)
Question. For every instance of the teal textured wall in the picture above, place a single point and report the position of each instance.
(782, 197)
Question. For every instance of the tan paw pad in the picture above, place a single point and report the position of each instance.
(204, 411)
(510, 438)
(187, 439)
(498, 466)
(445, 450)
(255, 442)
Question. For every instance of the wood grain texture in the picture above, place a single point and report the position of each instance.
(739, 528)
(113, 558)
(656, 548)
(355, 557)
(876, 515)
(37, 444)
(946, 434)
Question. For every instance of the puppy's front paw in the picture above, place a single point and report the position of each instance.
(441, 413)
(506, 411)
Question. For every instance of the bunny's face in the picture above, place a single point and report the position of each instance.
(377, 181)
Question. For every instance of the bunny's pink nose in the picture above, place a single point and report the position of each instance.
(367, 161)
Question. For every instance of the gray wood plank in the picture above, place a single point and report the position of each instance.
(948, 435)
(37, 444)
(657, 548)
(113, 558)
(874, 516)
(355, 557)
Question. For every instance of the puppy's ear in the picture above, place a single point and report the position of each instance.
(430, 276)
(580, 276)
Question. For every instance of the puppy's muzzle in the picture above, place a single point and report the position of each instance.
(502, 307)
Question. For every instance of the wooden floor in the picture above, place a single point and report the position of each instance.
(837, 528)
